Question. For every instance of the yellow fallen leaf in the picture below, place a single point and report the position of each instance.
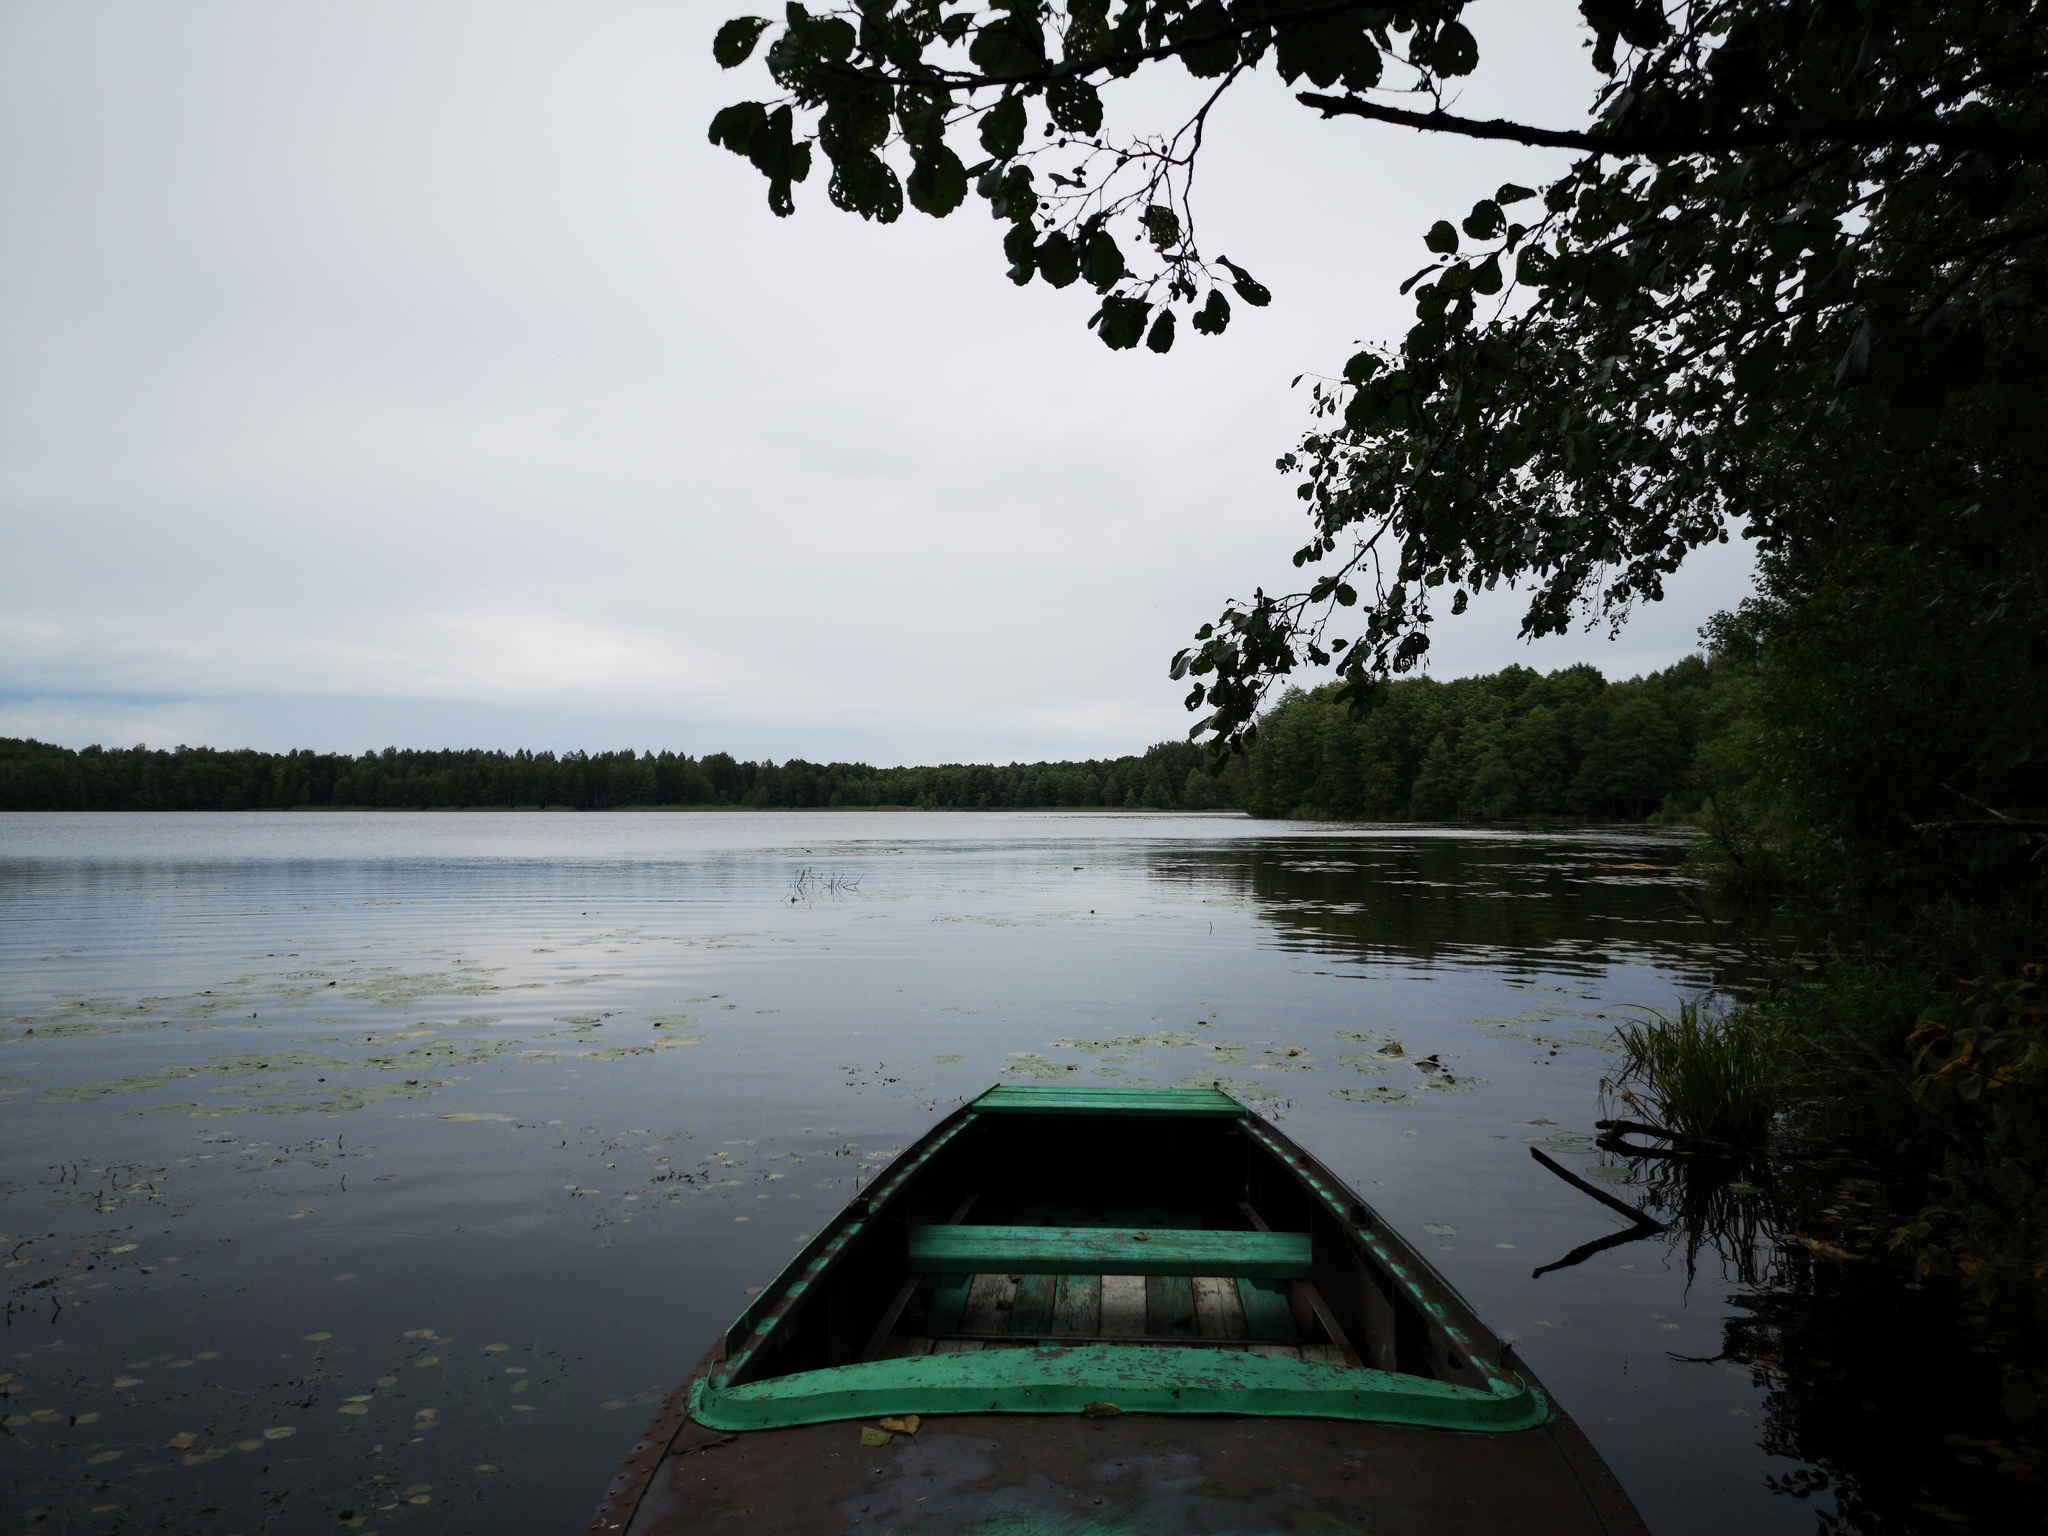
(1100, 1410)
(184, 1440)
(870, 1436)
(281, 1432)
(907, 1425)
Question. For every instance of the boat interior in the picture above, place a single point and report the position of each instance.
(1042, 1216)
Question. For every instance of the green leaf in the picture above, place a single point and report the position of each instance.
(1510, 193)
(1455, 51)
(1162, 224)
(736, 39)
(1013, 197)
(1012, 46)
(1074, 106)
(1361, 368)
(749, 129)
(938, 182)
(1485, 221)
(1486, 276)
(1160, 339)
(1058, 262)
(735, 126)
(1002, 130)
(1441, 237)
(1101, 262)
(1248, 288)
(1019, 245)
(863, 183)
(1213, 316)
(1120, 322)
(1207, 47)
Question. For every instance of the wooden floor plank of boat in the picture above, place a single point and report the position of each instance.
(1079, 1309)
(990, 1300)
(1123, 1306)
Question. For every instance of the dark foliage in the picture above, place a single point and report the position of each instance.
(1515, 744)
(35, 776)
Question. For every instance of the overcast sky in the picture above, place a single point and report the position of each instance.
(416, 373)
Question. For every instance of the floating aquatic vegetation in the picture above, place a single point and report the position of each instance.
(400, 989)
(140, 1082)
(228, 1066)
(454, 1051)
(950, 1060)
(1165, 1039)
(1035, 1065)
(1563, 1142)
(1376, 1095)
(1291, 1058)
(1578, 1039)
(619, 1052)
(1369, 1062)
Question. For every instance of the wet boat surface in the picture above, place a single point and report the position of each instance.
(1111, 1311)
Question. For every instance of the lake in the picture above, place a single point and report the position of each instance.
(381, 1171)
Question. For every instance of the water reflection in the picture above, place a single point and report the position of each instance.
(1525, 900)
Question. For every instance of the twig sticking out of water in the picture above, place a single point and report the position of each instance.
(1639, 1225)
(1601, 1195)
(1681, 1143)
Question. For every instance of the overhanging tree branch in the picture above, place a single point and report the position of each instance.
(1892, 132)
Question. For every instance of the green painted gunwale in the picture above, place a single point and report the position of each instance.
(1136, 1379)
(1065, 1379)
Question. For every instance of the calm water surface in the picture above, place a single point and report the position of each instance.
(379, 1172)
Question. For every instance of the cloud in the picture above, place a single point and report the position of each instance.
(374, 373)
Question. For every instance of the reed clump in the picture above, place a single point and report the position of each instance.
(1712, 1075)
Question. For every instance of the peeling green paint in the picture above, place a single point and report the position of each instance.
(1053, 1379)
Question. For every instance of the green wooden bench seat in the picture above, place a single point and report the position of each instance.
(970, 1250)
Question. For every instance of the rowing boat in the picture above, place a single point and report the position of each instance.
(1110, 1310)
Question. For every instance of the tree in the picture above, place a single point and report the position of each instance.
(1786, 217)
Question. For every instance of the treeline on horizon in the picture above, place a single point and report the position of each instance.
(1516, 743)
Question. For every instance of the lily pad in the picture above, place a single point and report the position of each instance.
(1376, 1095)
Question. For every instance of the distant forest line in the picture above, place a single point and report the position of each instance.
(1516, 743)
